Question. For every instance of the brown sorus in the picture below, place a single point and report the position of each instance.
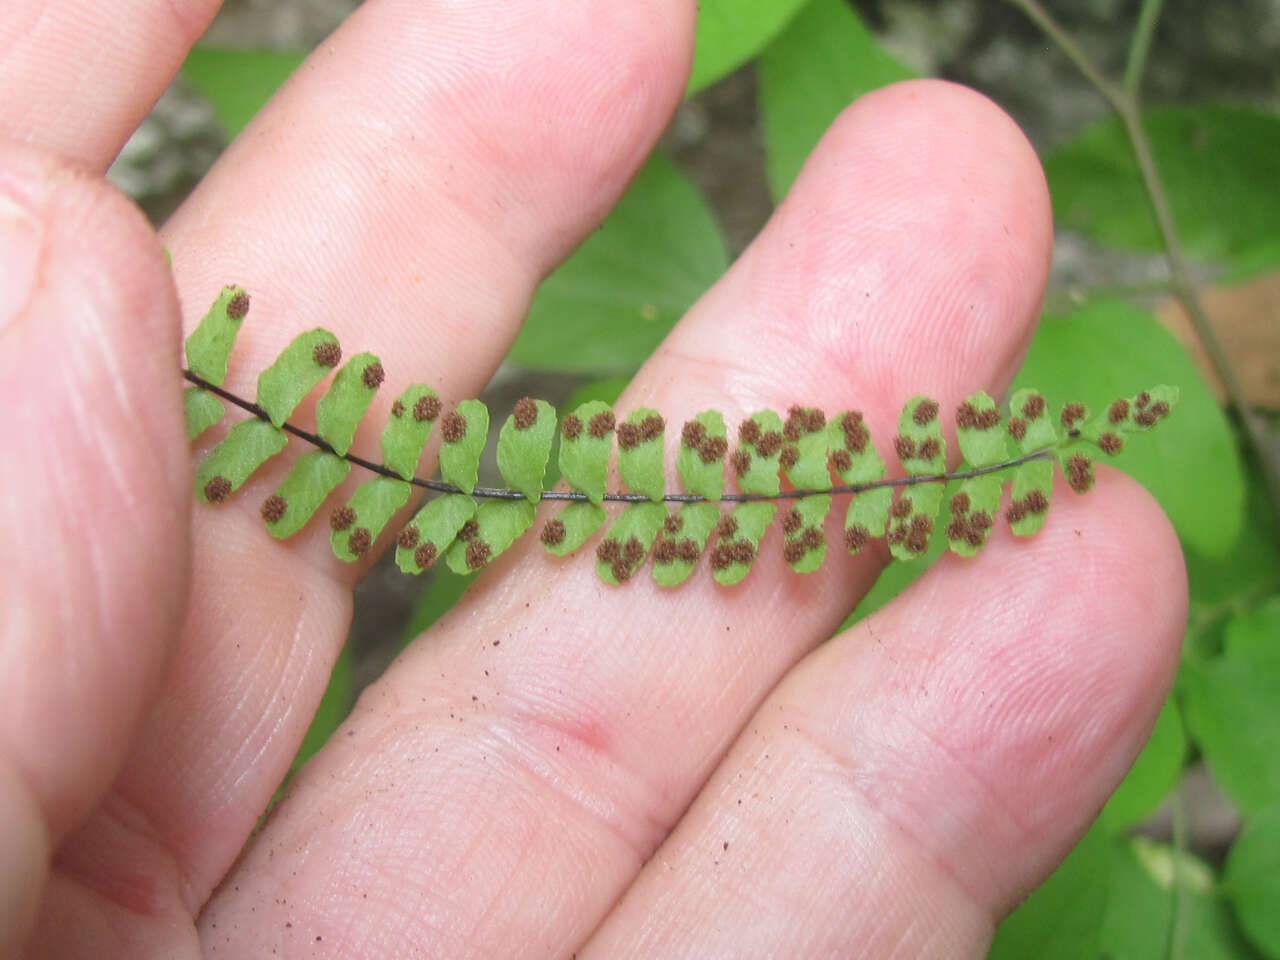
(425, 555)
(238, 305)
(692, 434)
(342, 518)
(1110, 444)
(769, 443)
(217, 489)
(600, 425)
(628, 436)
(856, 537)
(373, 375)
(525, 413)
(273, 508)
(478, 553)
(925, 412)
(426, 409)
(454, 427)
(360, 541)
(553, 533)
(327, 354)
(1033, 407)
(1071, 413)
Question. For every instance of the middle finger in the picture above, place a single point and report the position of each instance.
(504, 783)
(407, 189)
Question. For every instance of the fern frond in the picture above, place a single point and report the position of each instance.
(469, 525)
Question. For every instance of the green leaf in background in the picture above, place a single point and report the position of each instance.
(1153, 775)
(1062, 919)
(1098, 353)
(1229, 704)
(442, 591)
(823, 61)
(731, 32)
(1218, 165)
(612, 302)
(1138, 917)
(1247, 574)
(238, 82)
(1253, 879)
(336, 703)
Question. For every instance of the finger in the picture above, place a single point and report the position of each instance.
(96, 494)
(556, 728)
(78, 76)
(407, 190)
(911, 781)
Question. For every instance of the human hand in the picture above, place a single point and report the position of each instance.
(559, 766)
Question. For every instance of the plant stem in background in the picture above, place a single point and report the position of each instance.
(1125, 101)
(1148, 17)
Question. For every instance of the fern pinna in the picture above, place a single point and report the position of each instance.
(468, 526)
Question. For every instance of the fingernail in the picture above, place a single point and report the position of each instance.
(20, 239)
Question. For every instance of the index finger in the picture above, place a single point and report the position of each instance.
(78, 76)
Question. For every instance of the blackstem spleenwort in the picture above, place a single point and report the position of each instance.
(469, 525)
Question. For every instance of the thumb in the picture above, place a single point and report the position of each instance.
(94, 498)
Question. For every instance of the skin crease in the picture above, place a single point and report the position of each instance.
(558, 767)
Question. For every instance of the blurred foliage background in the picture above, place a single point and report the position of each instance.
(1184, 861)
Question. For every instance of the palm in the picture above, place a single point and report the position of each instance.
(557, 767)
